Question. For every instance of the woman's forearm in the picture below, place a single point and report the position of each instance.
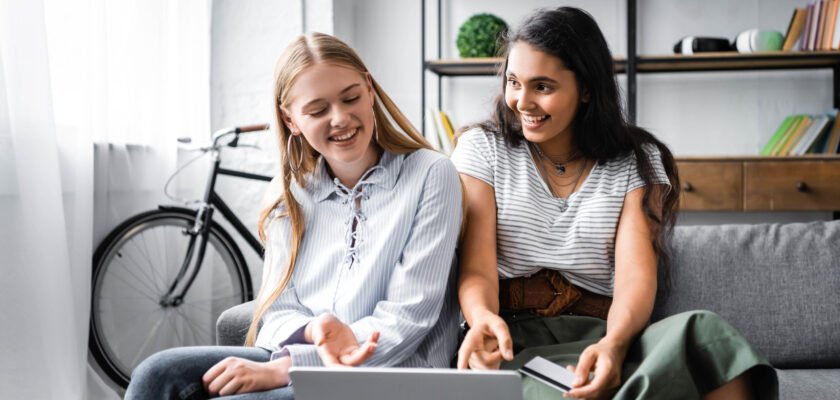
(478, 294)
(630, 311)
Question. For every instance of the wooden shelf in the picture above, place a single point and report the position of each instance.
(752, 158)
(479, 66)
(729, 61)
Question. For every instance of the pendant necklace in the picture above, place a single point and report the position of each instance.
(559, 166)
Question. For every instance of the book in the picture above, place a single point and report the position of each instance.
(431, 133)
(810, 136)
(830, 22)
(783, 128)
(777, 147)
(443, 138)
(814, 24)
(450, 130)
(821, 13)
(803, 43)
(794, 31)
(794, 136)
(832, 144)
(835, 41)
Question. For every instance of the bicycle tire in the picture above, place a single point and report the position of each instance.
(127, 285)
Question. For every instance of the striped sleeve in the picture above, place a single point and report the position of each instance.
(655, 159)
(417, 287)
(474, 156)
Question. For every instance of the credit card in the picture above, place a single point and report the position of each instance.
(549, 373)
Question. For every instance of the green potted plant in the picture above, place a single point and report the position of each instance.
(479, 36)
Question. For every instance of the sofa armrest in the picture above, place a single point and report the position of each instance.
(232, 325)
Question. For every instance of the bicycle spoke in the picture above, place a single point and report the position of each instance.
(144, 252)
(129, 336)
(134, 287)
(154, 288)
(146, 342)
(156, 266)
(193, 326)
(175, 329)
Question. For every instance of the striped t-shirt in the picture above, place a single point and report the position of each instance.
(534, 229)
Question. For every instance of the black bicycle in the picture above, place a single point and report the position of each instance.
(162, 277)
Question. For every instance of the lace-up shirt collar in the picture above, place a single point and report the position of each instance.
(384, 175)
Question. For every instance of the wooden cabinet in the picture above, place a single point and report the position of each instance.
(793, 185)
(809, 183)
(711, 185)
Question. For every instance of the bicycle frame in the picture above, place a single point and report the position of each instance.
(204, 215)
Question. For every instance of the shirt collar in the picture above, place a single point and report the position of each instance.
(384, 176)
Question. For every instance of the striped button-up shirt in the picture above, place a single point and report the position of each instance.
(385, 266)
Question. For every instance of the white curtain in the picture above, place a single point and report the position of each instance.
(127, 75)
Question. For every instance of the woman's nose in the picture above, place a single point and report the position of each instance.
(340, 117)
(524, 102)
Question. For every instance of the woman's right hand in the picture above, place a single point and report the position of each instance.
(486, 344)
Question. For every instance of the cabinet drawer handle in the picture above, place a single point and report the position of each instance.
(686, 187)
(802, 187)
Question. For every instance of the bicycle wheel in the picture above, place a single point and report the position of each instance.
(133, 269)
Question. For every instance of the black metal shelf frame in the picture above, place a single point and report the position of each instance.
(634, 64)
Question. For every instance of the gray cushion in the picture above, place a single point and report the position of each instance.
(778, 284)
(811, 384)
(232, 325)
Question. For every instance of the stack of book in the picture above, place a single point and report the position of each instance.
(814, 28)
(440, 131)
(805, 134)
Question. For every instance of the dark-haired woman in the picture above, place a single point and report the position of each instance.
(569, 206)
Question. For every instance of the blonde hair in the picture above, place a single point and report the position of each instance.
(394, 134)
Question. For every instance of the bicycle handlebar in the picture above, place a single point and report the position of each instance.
(252, 128)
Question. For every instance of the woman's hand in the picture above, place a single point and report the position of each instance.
(604, 360)
(337, 344)
(486, 344)
(235, 375)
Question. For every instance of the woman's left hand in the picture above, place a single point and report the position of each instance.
(336, 343)
(604, 360)
(235, 375)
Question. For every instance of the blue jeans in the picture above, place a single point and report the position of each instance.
(176, 374)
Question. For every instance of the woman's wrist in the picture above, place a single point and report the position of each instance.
(480, 314)
(280, 368)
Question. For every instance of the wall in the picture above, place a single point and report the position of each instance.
(729, 113)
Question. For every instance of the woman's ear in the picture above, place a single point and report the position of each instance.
(287, 120)
(369, 81)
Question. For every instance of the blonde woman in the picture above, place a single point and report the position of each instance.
(359, 246)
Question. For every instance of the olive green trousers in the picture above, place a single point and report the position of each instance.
(683, 356)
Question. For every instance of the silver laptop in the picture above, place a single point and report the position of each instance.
(316, 383)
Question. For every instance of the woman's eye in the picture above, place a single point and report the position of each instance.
(318, 112)
(351, 100)
(512, 82)
(543, 88)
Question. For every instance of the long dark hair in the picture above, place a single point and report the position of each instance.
(600, 129)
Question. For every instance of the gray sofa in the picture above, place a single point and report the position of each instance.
(779, 284)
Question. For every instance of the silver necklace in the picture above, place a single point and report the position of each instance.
(559, 166)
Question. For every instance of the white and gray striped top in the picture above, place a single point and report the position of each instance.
(393, 273)
(536, 230)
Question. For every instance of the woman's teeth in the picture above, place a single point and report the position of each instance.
(346, 137)
(534, 120)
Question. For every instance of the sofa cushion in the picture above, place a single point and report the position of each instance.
(811, 384)
(779, 284)
(233, 323)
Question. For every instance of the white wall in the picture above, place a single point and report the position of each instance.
(724, 113)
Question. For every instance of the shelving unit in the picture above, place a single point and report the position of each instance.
(745, 183)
